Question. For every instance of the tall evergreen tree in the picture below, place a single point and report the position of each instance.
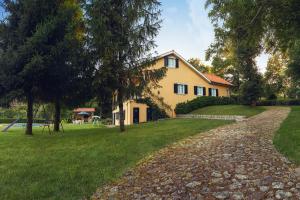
(60, 40)
(122, 36)
(42, 59)
(21, 67)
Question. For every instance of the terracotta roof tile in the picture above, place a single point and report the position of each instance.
(217, 79)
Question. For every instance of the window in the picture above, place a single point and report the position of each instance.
(199, 91)
(180, 89)
(214, 92)
(171, 62)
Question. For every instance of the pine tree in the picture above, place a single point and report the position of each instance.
(43, 57)
(20, 65)
(61, 40)
(122, 36)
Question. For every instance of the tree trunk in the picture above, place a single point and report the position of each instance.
(57, 116)
(29, 115)
(121, 117)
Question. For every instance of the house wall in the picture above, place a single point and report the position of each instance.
(128, 107)
(182, 75)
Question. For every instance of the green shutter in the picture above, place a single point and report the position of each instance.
(166, 61)
(176, 88)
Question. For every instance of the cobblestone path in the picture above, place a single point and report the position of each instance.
(236, 161)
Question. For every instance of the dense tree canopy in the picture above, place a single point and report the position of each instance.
(275, 79)
(61, 41)
(199, 65)
(252, 26)
(21, 66)
(238, 23)
(41, 43)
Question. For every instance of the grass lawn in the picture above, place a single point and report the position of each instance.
(73, 164)
(229, 110)
(287, 138)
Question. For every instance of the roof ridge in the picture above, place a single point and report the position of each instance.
(185, 61)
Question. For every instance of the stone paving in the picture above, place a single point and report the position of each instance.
(236, 161)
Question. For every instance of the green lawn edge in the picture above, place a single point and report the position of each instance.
(287, 138)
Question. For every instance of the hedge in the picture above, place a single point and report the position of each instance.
(200, 102)
(283, 102)
(10, 120)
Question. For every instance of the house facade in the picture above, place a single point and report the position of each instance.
(181, 83)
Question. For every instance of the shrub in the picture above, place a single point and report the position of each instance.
(107, 121)
(10, 120)
(200, 102)
(284, 102)
(272, 97)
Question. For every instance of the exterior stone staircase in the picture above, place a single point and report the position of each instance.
(160, 103)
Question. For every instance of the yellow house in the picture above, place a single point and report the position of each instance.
(181, 83)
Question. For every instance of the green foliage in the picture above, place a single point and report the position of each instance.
(294, 89)
(272, 25)
(251, 90)
(43, 55)
(22, 120)
(294, 62)
(200, 102)
(240, 32)
(157, 112)
(224, 64)
(275, 79)
(287, 138)
(201, 67)
(72, 165)
(107, 121)
(279, 102)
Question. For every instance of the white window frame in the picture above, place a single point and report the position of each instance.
(180, 89)
(199, 88)
(213, 92)
(171, 62)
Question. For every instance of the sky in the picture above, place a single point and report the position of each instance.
(187, 29)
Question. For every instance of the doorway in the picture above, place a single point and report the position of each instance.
(136, 115)
(149, 115)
